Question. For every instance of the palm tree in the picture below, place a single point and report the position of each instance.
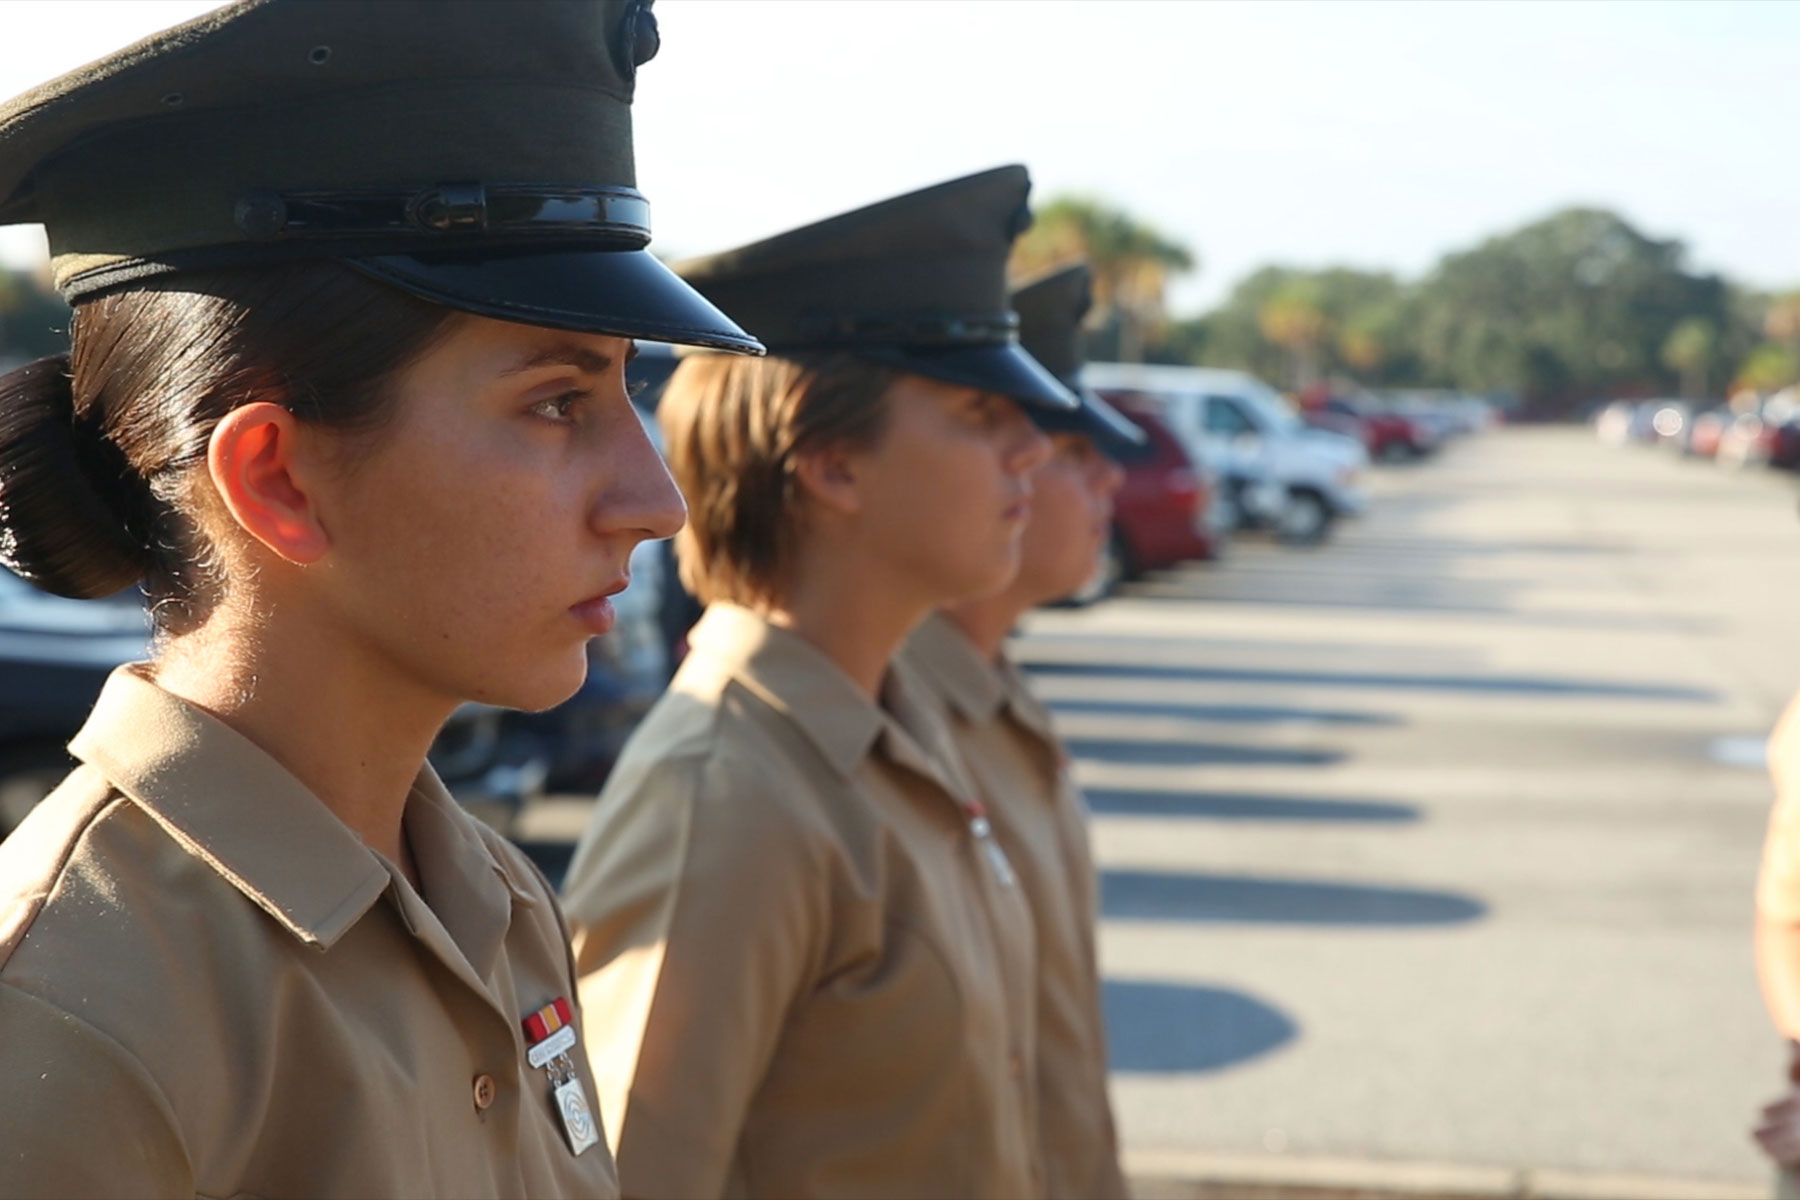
(1689, 351)
(1294, 319)
(1131, 261)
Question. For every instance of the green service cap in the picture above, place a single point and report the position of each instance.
(917, 282)
(1051, 308)
(474, 153)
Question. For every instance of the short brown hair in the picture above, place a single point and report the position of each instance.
(734, 427)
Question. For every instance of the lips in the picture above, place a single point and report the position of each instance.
(596, 612)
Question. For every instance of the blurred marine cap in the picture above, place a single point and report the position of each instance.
(477, 154)
(1051, 308)
(917, 282)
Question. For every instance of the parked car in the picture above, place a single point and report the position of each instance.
(54, 656)
(1702, 432)
(1624, 421)
(1272, 470)
(1164, 512)
(1387, 435)
(1766, 434)
(1385, 431)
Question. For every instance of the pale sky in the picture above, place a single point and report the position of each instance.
(1373, 134)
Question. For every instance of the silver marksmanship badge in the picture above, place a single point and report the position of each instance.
(550, 1035)
(577, 1119)
(990, 846)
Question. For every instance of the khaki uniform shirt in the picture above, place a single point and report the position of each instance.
(817, 981)
(209, 986)
(1020, 768)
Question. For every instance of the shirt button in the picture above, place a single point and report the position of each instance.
(484, 1092)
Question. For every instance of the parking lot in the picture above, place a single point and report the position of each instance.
(1435, 845)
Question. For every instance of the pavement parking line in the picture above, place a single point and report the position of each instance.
(1174, 1174)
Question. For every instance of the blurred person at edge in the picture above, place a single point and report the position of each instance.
(816, 960)
(1017, 762)
(365, 469)
(1778, 943)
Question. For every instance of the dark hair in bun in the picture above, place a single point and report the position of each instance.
(100, 451)
(67, 503)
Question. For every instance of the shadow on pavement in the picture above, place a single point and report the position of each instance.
(1171, 1027)
(1245, 806)
(1248, 900)
(1163, 753)
(1227, 714)
(1516, 684)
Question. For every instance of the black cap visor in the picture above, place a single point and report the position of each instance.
(627, 293)
(1004, 369)
(1117, 435)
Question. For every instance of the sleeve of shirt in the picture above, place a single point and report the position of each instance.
(697, 905)
(79, 1117)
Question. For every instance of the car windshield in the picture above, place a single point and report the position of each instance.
(1268, 401)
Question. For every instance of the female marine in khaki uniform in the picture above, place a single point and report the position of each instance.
(1013, 755)
(815, 960)
(251, 947)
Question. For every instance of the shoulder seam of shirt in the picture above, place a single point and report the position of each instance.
(13, 934)
(165, 1109)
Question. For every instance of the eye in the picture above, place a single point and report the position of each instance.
(986, 409)
(559, 408)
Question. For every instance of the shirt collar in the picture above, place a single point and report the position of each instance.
(1023, 704)
(234, 807)
(952, 668)
(469, 891)
(794, 677)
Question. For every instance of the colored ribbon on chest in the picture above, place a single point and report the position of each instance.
(549, 1036)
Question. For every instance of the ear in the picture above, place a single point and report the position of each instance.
(830, 478)
(253, 461)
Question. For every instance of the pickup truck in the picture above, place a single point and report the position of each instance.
(1271, 468)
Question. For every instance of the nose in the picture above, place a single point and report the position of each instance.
(1027, 446)
(639, 499)
(1112, 477)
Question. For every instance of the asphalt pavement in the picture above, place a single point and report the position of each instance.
(1432, 850)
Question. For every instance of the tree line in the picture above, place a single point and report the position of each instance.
(1566, 311)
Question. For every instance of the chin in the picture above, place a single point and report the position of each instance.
(536, 686)
(997, 577)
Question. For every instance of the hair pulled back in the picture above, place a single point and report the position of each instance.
(101, 449)
(734, 427)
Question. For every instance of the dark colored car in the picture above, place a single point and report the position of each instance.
(1162, 513)
(54, 656)
(1781, 444)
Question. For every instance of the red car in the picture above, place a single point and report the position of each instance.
(1388, 436)
(1160, 513)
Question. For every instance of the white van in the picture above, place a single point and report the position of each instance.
(1279, 472)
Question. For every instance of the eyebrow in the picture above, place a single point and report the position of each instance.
(567, 354)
